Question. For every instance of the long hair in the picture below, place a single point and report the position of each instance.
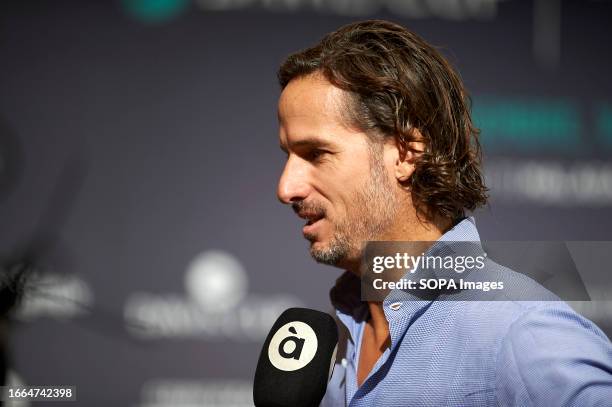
(397, 83)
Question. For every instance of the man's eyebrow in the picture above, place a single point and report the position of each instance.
(308, 142)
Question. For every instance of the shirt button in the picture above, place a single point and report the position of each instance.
(344, 362)
(395, 306)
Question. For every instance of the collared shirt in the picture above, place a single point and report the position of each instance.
(471, 353)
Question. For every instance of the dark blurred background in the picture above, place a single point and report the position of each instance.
(139, 159)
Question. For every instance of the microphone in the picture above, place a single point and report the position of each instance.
(297, 360)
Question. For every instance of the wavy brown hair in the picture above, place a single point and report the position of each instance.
(397, 84)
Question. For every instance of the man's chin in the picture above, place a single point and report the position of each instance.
(332, 255)
(317, 248)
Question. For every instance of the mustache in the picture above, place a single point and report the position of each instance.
(311, 207)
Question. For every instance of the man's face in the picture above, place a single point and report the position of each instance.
(334, 177)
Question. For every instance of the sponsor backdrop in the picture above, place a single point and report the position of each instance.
(139, 159)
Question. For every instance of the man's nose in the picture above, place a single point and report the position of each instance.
(293, 184)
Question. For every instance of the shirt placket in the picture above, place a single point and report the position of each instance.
(399, 315)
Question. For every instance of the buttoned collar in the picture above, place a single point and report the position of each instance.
(401, 307)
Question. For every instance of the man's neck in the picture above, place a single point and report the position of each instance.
(415, 229)
(374, 341)
(376, 337)
(412, 231)
(379, 323)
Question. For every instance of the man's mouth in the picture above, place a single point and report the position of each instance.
(312, 218)
(312, 222)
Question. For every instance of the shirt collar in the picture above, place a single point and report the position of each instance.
(346, 294)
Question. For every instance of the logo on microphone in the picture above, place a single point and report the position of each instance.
(293, 346)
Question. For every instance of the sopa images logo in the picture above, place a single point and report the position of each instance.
(293, 346)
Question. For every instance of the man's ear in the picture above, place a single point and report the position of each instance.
(408, 156)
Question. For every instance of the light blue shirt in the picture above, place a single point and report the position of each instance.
(471, 353)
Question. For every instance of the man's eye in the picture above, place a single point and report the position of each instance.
(314, 155)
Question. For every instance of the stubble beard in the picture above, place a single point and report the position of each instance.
(374, 210)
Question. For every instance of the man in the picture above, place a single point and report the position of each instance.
(380, 146)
